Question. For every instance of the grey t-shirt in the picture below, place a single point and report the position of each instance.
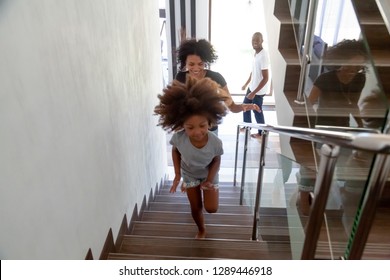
(195, 161)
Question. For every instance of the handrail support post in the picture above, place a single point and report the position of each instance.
(322, 187)
(236, 156)
(366, 215)
(247, 131)
(256, 216)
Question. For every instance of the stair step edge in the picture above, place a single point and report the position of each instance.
(207, 241)
(186, 224)
(125, 256)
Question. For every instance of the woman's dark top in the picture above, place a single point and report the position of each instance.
(215, 76)
(338, 100)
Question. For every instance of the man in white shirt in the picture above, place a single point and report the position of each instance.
(257, 81)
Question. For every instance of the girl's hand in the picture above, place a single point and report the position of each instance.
(206, 186)
(175, 183)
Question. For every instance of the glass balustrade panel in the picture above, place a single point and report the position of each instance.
(341, 84)
(344, 201)
(281, 221)
(299, 13)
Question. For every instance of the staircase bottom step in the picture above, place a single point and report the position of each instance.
(206, 248)
(122, 256)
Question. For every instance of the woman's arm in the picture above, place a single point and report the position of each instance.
(356, 114)
(236, 108)
(314, 95)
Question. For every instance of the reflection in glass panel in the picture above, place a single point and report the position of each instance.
(348, 187)
(299, 11)
(280, 220)
(336, 21)
(343, 91)
(341, 86)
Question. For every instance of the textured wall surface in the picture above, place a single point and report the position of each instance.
(79, 146)
(278, 64)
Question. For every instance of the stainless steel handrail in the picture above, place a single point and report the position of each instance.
(372, 142)
(333, 140)
(347, 129)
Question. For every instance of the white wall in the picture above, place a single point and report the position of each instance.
(278, 65)
(79, 146)
(202, 19)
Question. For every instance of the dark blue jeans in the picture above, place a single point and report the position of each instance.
(258, 100)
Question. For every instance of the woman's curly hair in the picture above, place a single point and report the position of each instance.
(347, 49)
(196, 97)
(201, 47)
(337, 55)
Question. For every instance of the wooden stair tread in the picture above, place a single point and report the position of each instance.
(206, 248)
(371, 19)
(284, 18)
(233, 200)
(215, 231)
(184, 199)
(227, 193)
(215, 218)
(185, 207)
(222, 194)
(290, 56)
(124, 256)
(264, 211)
(189, 230)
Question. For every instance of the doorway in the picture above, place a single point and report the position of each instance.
(232, 26)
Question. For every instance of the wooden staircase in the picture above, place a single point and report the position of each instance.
(165, 230)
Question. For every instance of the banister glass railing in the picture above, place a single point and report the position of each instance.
(341, 88)
(341, 193)
(323, 25)
(300, 13)
(278, 191)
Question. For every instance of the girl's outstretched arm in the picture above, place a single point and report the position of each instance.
(176, 158)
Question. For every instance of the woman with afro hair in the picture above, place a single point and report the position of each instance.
(194, 58)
